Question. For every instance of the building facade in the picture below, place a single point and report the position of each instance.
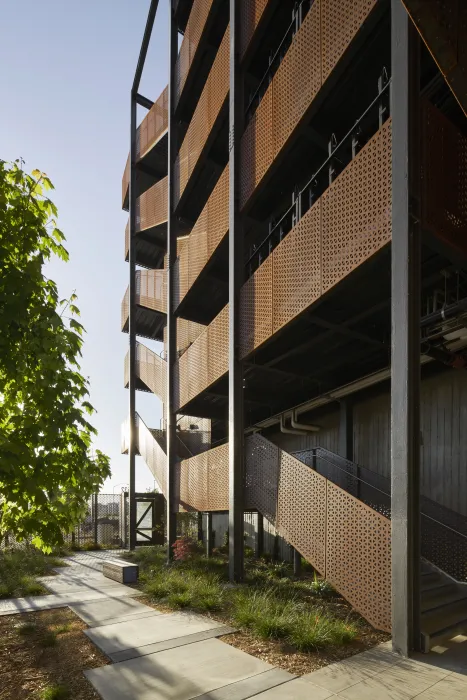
(297, 239)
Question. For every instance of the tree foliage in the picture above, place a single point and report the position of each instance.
(47, 469)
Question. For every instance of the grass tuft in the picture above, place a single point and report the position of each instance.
(19, 569)
(55, 692)
(26, 629)
(48, 639)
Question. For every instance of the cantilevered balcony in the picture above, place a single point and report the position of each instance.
(151, 149)
(151, 227)
(151, 304)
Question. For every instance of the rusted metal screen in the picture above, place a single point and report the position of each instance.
(326, 32)
(152, 453)
(194, 29)
(345, 540)
(150, 368)
(154, 124)
(256, 308)
(207, 233)
(151, 289)
(151, 207)
(126, 180)
(251, 13)
(207, 110)
(205, 361)
(125, 309)
(444, 178)
(204, 481)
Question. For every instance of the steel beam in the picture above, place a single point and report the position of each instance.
(144, 45)
(132, 322)
(171, 319)
(405, 379)
(236, 272)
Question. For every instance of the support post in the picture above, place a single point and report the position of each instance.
(297, 563)
(260, 536)
(96, 504)
(209, 534)
(346, 429)
(200, 527)
(132, 322)
(236, 277)
(405, 379)
(171, 319)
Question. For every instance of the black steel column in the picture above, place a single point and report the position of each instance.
(209, 534)
(132, 321)
(200, 527)
(346, 429)
(171, 319)
(405, 386)
(297, 562)
(260, 536)
(236, 267)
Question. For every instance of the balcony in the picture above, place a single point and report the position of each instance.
(203, 128)
(151, 304)
(321, 41)
(151, 149)
(151, 227)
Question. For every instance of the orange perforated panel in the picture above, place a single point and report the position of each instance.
(127, 239)
(193, 32)
(257, 147)
(125, 308)
(356, 210)
(217, 208)
(340, 21)
(251, 12)
(358, 555)
(187, 332)
(218, 346)
(154, 124)
(152, 370)
(197, 248)
(293, 86)
(207, 110)
(218, 478)
(151, 207)
(256, 306)
(126, 179)
(301, 509)
(198, 365)
(444, 178)
(262, 472)
(204, 481)
(152, 453)
(297, 268)
(151, 289)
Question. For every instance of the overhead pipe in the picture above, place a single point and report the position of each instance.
(294, 430)
(303, 426)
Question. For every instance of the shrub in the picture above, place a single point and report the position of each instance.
(55, 692)
(184, 548)
(320, 587)
(26, 629)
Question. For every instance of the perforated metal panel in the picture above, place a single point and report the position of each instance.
(193, 32)
(187, 332)
(125, 309)
(207, 110)
(256, 308)
(197, 248)
(151, 289)
(151, 207)
(217, 346)
(297, 268)
(251, 12)
(298, 79)
(257, 146)
(154, 124)
(152, 453)
(340, 21)
(262, 473)
(127, 239)
(301, 509)
(150, 368)
(358, 555)
(444, 178)
(218, 478)
(126, 179)
(217, 209)
(356, 210)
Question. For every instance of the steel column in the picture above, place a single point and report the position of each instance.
(132, 321)
(405, 379)
(260, 536)
(209, 534)
(236, 271)
(297, 563)
(346, 429)
(171, 320)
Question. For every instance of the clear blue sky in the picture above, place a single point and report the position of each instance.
(66, 72)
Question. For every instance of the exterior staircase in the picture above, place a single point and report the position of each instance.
(337, 515)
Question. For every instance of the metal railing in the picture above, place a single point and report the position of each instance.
(367, 124)
(443, 531)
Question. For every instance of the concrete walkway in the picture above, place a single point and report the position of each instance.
(176, 656)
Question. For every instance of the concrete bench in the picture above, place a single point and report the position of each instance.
(121, 571)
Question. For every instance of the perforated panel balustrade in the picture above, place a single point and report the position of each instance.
(151, 368)
(151, 292)
(153, 126)
(344, 228)
(151, 210)
(251, 12)
(194, 29)
(326, 32)
(207, 110)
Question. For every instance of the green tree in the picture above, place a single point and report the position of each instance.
(47, 467)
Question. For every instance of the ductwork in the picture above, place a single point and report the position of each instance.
(297, 428)
(303, 426)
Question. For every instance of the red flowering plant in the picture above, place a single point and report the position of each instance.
(184, 548)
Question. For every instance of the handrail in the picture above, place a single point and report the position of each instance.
(276, 54)
(314, 451)
(326, 162)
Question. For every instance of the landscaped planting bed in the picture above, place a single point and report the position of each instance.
(19, 569)
(43, 656)
(298, 624)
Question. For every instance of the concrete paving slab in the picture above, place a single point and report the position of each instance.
(170, 643)
(297, 689)
(250, 687)
(13, 606)
(106, 611)
(133, 633)
(54, 584)
(176, 675)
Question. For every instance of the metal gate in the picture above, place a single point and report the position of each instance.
(149, 518)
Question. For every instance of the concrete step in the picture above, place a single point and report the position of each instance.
(431, 581)
(444, 616)
(441, 596)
